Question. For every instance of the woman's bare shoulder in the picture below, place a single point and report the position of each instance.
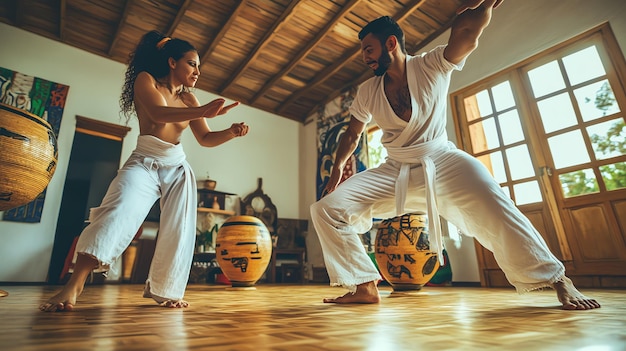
(145, 76)
(189, 99)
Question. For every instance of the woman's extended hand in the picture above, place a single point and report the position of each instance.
(216, 108)
(239, 129)
(227, 108)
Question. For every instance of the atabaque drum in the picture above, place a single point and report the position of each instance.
(402, 252)
(243, 250)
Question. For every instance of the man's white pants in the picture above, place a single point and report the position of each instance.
(467, 196)
(155, 169)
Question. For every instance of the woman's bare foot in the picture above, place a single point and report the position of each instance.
(365, 293)
(66, 299)
(63, 301)
(571, 298)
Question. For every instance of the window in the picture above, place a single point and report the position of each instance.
(556, 113)
(375, 150)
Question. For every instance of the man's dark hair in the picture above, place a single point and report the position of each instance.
(382, 28)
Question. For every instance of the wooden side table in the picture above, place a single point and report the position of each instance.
(298, 254)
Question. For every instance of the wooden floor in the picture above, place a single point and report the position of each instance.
(293, 317)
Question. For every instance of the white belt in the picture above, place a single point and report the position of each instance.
(410, 155)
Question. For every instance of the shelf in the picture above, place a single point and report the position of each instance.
(207, 191)
(210, 210)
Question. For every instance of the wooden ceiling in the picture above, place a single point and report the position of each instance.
(284, 57)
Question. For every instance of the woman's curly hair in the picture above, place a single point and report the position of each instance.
(150, 55)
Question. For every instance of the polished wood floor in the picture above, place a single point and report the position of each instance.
(293, 317)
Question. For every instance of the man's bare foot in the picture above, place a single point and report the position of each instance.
(63, 301)
(163, 301)
(571, 298)
(365, 293)
(175, 304)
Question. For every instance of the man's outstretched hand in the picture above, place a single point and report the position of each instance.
(473, 4)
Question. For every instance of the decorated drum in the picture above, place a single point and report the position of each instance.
(243, 249)
(28, 158)
(402, 252)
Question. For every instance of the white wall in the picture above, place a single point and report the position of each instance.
(518, 30)
(270, 150)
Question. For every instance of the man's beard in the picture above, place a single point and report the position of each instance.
(383, 63)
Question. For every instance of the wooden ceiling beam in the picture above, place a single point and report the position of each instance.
(307, 49)
(319, 78)
(179, 16)
(120, 25)
(62, 11)
(267, 38)
(348, 57)
(225, 28)
(18, 16)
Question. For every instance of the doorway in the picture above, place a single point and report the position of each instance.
(94, 161)
(551, 130)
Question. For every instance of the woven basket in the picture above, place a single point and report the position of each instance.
(28, 158)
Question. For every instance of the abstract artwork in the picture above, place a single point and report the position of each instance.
(43, 98)
(332, 122)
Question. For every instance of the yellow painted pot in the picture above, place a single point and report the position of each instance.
(402, 252)
(243, 249)
(28, 158)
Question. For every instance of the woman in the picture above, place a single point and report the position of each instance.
(157, 90)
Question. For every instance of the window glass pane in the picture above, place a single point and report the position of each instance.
(557, 112)
(568, 149)
(596, 100)
(527, 193)
(546, 79)
(503, 96)
(484, 135)
(608, 138)
(519, 161)
(375, 150)
(495, 165)
(511, 127)
(579, 183)
(507, 191)
(583, 65)
(477, 106)
(614, 175)
(471, 108)
(484, 103)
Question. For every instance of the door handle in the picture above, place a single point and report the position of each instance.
(545, 170)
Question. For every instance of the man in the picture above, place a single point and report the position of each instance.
(407, 99)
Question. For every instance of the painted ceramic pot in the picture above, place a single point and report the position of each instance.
(402, 252)
(243, 250)
(28, 158)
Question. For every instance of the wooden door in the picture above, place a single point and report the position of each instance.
(552, 132)
(93, 163)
